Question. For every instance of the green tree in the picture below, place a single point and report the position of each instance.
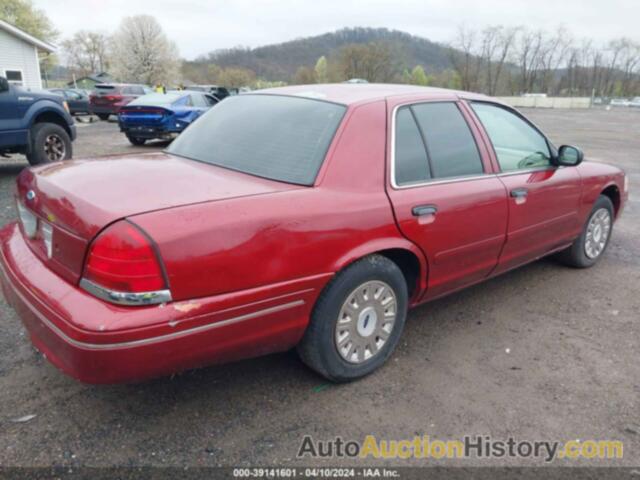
(321, 70)
(236, 77)
(406, 76)
(372, 62)
(22, 14)
(304, 76)
(418, 77)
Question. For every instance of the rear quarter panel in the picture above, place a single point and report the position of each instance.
(231, 245)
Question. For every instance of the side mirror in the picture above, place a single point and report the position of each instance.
(569, 156)
(4, 85)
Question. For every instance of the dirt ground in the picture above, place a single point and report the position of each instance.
(542, 353)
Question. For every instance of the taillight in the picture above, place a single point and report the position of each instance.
(123, 267)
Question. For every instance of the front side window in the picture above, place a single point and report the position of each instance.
(279, 137)
(517, 144)
(433, 141)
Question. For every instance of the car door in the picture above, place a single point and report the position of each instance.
(543, 199)
(11, 113)
(445, 196)
(75, 101)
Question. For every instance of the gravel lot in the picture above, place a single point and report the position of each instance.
(541, 353)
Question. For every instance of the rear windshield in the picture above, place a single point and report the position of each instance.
(277, 137)
(105, 87)
(157, 99)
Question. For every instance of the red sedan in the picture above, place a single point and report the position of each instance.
(310, 217)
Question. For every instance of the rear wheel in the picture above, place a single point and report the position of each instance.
(103, 116)
(357, 321)
(587, 249)
(136, 140)
(49, 143)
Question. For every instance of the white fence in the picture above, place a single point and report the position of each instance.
(547, 102)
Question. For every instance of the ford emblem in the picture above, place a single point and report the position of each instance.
(31, 195)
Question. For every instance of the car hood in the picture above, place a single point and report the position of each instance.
(83, 196)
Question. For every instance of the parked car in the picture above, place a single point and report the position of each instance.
(77, 99)
(36, 124)
(162, 115)
(310, 216)
(108, 99)
(635, 102)
(619, 102)
(215, 90)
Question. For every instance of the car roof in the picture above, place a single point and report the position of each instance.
(352, 93)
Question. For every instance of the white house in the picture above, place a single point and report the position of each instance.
(19, 56)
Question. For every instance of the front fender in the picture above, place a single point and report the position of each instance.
(46, 106)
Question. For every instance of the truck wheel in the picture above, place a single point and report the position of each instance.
(357, 320)
(587, 249)
(49, 143)
(103, 116)
(136, 140)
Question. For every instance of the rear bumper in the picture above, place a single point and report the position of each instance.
(149, 132)
(96, 342)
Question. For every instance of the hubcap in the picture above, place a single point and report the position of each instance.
(597, 233)
(365, 322)
(54, 148)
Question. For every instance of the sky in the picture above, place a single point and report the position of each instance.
(200, 26)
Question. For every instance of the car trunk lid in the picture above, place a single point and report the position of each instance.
(79, 198)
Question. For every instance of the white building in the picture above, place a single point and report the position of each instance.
(19, 56)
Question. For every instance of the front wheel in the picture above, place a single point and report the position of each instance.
(357, 320)
(587, 249)
(49, 143)
(136, 140)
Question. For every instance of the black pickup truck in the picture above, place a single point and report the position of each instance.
(36, 124)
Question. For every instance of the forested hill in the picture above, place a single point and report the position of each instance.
(280, 61)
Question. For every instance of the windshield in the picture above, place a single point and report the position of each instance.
(277, 137)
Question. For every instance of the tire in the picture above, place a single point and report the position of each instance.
(319, 346)
(582, 255)
(136, 140)
(49, 143)
(103, 116)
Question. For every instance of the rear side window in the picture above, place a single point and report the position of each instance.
(451, 148)
(199, 100)
(272, 136)
(411, 164)
(433, 141)
(183, 101)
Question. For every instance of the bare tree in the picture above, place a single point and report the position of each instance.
(527, 57)
(464, 58)
(372, 62)
(497, 42)
(141, 52)
(86, 52)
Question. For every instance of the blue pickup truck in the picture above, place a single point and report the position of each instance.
(36, 124)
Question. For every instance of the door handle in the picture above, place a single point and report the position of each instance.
(519, 192)
(421, 210)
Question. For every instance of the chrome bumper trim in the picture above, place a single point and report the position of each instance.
(124, 298)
